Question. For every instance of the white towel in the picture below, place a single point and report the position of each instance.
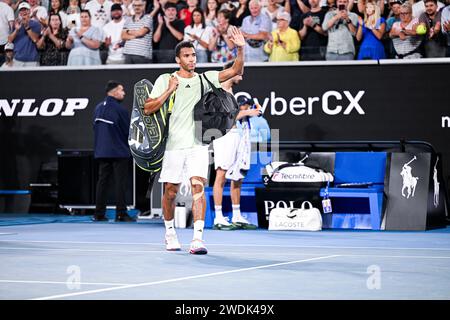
(241, 164)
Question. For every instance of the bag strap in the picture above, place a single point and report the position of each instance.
(310, 205)
(213, 87)
(201, 86)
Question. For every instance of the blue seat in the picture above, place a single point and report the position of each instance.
(357, 167)
(252, 180)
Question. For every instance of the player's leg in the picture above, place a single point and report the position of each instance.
(171, 176)
(224, 156)
(197, 163)
(220, 222)
(238, 220)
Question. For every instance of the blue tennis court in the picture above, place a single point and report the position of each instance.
(66, 257)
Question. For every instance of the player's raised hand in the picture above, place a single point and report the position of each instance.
(236, 36)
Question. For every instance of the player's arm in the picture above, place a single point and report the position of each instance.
(238, 66)
(154, 104)
(248, 113)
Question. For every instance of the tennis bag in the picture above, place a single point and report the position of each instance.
(148, 133)
(297, 219)
(285, 174)
(217, 109)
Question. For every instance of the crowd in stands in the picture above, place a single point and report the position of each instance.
(95, 32)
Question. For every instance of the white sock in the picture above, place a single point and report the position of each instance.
(170, 226)
(218, 211)
(236, 212)
(198, 229)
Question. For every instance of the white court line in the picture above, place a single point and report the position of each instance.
(180, 279)
(385, 256)
(82, 250)
(218, 252)
(65, 282)
(228, 245)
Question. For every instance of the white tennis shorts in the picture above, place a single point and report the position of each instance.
(178, 164)
(225, 149)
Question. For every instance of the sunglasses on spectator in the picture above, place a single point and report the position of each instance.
(404, 13)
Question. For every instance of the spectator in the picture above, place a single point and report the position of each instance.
(137, 33)
(57, 7)
(394, 16)
(38, 12)
(73, 14)
(314, 39)
(221, 47)
(238, 15)
(435, 41)
(341, 26)
(284, 42)
(371, 32)
(9, 56)
(6, 24)
(297, 9)
(52, 43)
(168, 34)
(24, 37)
(419, 7)
(362, 5)
(113, 35)
(212, 8)
(100, 12)
(272, 11)
(405, 40)
(256, 29)
(330, 5)
(445, 24)
(111, 123)
(84, 43)
(186, 14)
(199, 34)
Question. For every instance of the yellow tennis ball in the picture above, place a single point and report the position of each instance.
(421, 29)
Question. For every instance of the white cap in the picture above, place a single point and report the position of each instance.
(9, 46)
(284, 16)
(24, 5)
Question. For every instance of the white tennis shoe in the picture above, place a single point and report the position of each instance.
(198, 247)
(172, 243)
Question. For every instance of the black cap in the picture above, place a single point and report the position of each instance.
(244, 100)
(111, 85)
(116, 6)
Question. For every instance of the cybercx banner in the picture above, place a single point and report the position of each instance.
(41, 111)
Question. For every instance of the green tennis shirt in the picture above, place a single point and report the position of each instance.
(181, 124)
